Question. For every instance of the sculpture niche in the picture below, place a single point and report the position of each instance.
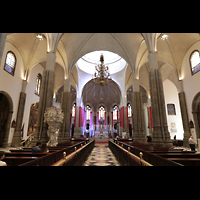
(53, 117)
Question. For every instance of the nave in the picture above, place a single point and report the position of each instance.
(101, 155)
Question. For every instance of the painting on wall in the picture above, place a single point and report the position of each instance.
(171, 109)
(33, 118)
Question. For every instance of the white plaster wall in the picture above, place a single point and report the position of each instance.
(31, 97)
(191, 83)
(171, 96)
(12, 84)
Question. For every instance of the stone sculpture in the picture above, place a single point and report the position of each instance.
(53, 117)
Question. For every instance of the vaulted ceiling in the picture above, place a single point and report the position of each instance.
(133, 47)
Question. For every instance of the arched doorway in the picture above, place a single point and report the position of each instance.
(6, 110)
(196, 113)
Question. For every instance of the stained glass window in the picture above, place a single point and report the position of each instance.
(102, 112)
(73, 110)
(38, 84)
(88, 113)
(195, 62)
(10, 63)
(115, 109)
(129, 110)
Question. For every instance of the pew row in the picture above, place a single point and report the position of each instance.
(23, 156)
(184, 158)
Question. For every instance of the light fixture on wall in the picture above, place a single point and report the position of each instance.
(40, 36)
(101, 75)
(164, 36)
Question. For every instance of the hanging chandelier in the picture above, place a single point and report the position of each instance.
(101, 75)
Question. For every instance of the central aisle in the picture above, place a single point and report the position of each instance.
(101, 155)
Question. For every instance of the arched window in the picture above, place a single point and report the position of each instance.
(129, 110)
(88, 112)
(102, 112)
(115, 109)
(10, 63)
(195, 62)
(38, 84)
(73, 110)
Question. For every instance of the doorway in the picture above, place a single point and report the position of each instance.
(196, 113)
(6, 107)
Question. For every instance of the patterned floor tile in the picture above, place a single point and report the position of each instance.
(101, 157)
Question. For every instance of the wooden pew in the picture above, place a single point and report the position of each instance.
(15, 161)
(178, 155)
(186, 161)
(187, 158)
(24, 154)
(21, 156)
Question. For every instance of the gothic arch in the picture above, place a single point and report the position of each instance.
(8, 118)
(196, 113)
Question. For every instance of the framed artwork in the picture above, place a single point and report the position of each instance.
(171, 109)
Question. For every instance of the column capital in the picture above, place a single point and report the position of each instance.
(67, 84)
(51, 58)
(153, 59)
(24, 84)
(180, 86)
(136, 85)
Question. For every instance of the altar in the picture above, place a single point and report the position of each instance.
(101, 134)
(102, 131)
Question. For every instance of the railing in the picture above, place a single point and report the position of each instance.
(52, 158)
(82, 153)
(27, 142)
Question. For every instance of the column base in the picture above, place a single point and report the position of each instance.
(139, 137)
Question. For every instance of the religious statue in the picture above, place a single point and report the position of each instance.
(101, 122)
(53, 117)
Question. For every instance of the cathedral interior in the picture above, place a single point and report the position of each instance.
(112, 91)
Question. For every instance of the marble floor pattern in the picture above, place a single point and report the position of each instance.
(101, 156)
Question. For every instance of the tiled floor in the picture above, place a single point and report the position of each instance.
(101, 156)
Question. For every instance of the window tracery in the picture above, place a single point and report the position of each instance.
(10, 63)
(195, 62)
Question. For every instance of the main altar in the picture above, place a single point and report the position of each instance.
(101, 129)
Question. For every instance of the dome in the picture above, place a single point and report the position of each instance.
(88, 62)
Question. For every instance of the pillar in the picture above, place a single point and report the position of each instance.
(138, 113)
(3, 37)
(184, 114)
(20, 113)
(67, 107)
(161, 136)
(78, 128)
(123, 117)
(46, 99)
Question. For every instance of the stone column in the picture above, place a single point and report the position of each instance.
(67, 107)
(161, 136)
(46, 99)
(3, 37)
(20, 113)
(184, 114)
(77, 129)
(138, 113)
